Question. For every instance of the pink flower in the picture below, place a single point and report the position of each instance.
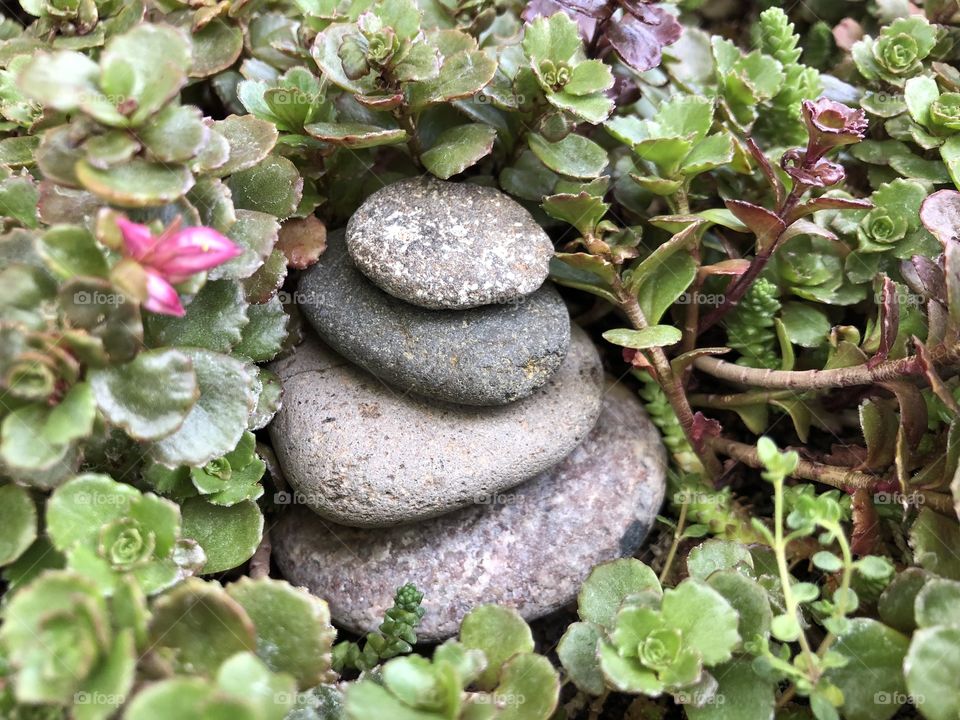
(171, 257)
(820, 173)
(831, 124)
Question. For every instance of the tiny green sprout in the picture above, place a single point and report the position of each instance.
(396, 636)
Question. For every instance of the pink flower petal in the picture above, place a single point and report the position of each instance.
(190, 251)
(136, 238)
(162, 297)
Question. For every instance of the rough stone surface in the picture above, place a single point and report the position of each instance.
(359, 453)
(445, 245)
(486, 356)
(529, 549)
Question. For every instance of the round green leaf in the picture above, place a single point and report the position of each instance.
(872, 680)
(458, 148)
(148, 397)
(218, 418)
(214, 319)
(932, 666)
(250, 140)
(69, 250)
(707, 620)
(255, 233)
(18, 522)
(575, 155)
(196, 626)
(176, 134)
(748, 598)
(741, 694)
(578, 655)
(216, 46)
(262, 338)
(897, 604)
(500, 633)
(607, 585)
(136, 183)
(529, 688)
(228, 535)
(273, 186)
(938, 603)
(713, 555)
(293, 629)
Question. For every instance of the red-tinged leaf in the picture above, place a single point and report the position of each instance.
(682, 362)
(866, 523)
(829, 203)
(913, 410)
(703, 429)
(925, 277)
(380, 102)
(636, 42)
(951, 270)
(762, 223)
(545, 8)
(939, 387)
(940, 214)
(767, 169)
(303, 241)
(737, 266)
(889, 321)
(637, 359)
(591, 8)
(662, 24)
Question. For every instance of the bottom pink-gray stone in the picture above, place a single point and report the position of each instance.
(529, 548)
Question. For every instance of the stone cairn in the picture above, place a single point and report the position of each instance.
(446, 425)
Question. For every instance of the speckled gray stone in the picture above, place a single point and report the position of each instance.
(360, 453)
(486, 356)
(446, 245)
(529, 549)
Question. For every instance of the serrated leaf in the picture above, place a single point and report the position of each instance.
(228, 535)
(148, 397)
(136, 183)
(577, 651)
(18, 522)
(293, 629)
(459, 148)
(575, 155)
(263, 336)
(219, 417)
(609, 584)
(500, 633)
(707, 620)
(356, 135)
(214, 319)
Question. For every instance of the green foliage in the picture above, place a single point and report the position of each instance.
(131, 389)
(396, 636)
(750, 328)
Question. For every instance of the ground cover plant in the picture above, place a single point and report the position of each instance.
(756, 208)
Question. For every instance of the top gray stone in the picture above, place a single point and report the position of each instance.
(445, 245)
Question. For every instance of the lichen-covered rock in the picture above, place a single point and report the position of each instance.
(360, 453)
(486, 356)
(529, 548)
(445, 245)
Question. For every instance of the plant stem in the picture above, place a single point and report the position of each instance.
(841, 609)
(735, 294)
(405, 120)
(677, 533)
(671, 384)
(824, 379)
(838, 477)
(780, 549)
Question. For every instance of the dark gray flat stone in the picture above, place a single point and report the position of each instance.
(360, 453)
(486, 356)
(529, 549)
(446, 245)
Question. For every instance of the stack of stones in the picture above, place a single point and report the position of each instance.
(447, 426)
